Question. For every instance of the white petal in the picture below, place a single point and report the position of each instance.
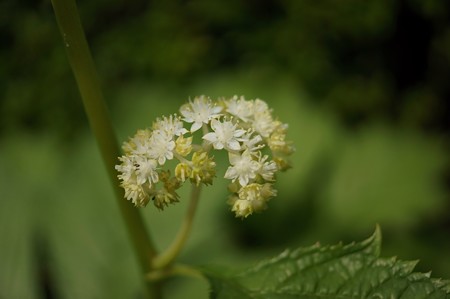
(169, 155)
(234, 145)
(154, 177)
(216, 109)
(230, 173)
(239, 133)
(181, 131)
(188, 119)
(215, 124)
(234, 158)
(196, 126)
(211, 137)
(243, 180)
(218, 145)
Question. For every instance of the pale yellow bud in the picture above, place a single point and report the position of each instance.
(136, 194)
(183, 145)
(232, 199)
(172, 184)
(277, 141)
(257, 192)
(251, 198)
(164, 197)
(251, 192)
(267, 191)
(164, 175)
(233, 187)
(182, 171)
(202, 168)
(282, 163)
(242, 208)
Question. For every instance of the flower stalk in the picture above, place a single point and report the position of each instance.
(83, 68)
(169, 255)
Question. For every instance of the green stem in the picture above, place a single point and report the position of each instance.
(169, 255)
(88, 84)
(176, 269)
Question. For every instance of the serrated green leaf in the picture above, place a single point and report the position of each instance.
(340, 271)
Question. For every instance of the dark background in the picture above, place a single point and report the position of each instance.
(364, 86)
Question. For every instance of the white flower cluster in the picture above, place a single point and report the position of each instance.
(255, 142)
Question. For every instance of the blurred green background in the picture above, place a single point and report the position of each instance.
(364, 86)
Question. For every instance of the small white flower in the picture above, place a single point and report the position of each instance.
(225, 135)
(139, 144)
(146, 170)
(262, 118)
(240, 108)
(267, 169)
(244, 168)
(261, 107)
(254, 143)
(161, 146)
(126, 168)
(171, 125)
(199, 112)
(263, 124)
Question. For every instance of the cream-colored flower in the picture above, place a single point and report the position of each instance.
(138, 144)
(226, 135)
(240, 108)
(252, 141)
(161, 146)
(146, 170)
(172, 125)
(244, 168)
(127, 168)
(199, 112)
(267, 169)
(263, 122)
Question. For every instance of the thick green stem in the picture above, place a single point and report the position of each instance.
(169, 255)
(88, 83)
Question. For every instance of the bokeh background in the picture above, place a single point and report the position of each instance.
(364, 86)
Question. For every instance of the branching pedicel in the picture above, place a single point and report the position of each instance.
(254, 140)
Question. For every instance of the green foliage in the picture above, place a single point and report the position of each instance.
(340, 271)
(377, 170)
(56, 199)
